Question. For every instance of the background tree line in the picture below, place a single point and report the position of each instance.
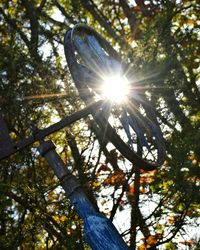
(160, 39)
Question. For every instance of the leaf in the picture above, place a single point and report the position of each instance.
(191, 22)
(187, 243)
(152, 240)
(117, 178)
(104, 168)
(142, 247)
(96, 184)
(147, 179)
(142, 190)
(131, 188)
(171, 219)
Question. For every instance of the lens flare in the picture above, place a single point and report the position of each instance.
(116, 88)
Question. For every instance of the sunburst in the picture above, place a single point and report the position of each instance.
(115, 88)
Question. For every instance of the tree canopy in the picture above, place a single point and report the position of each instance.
(159, 209)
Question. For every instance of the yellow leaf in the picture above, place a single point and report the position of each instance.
(56, 218)
(142, 247)
(96, 184)
(190, 22)
(63, 218)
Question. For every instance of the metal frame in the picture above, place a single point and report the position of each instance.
(84, 77)
(100, 233)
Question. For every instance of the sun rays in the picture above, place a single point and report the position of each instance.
(115, 88)
(120, 92)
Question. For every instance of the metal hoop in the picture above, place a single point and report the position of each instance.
(86, 62)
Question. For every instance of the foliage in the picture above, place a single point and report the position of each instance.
(160, 40)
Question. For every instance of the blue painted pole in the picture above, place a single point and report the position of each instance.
(99, 231)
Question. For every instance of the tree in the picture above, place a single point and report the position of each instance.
(160, 40)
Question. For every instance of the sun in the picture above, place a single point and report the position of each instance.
(115, 88)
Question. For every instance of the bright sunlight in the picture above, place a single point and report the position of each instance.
(116, 88)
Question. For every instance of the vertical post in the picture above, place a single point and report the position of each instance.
(99, 231)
